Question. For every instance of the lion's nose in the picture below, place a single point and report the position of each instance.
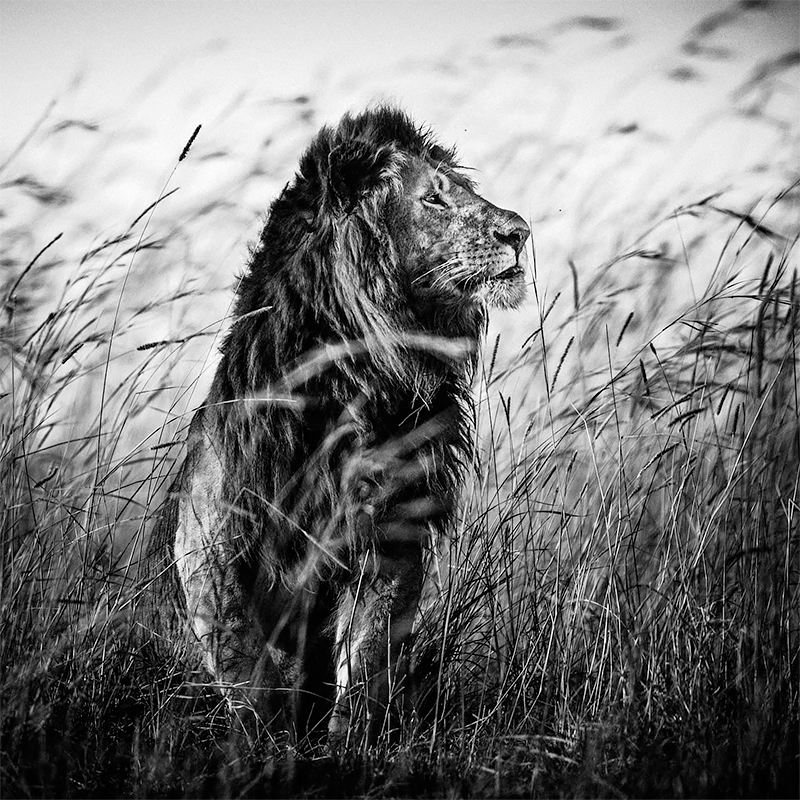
(514, 232)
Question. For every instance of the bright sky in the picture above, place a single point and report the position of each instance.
(278, 47)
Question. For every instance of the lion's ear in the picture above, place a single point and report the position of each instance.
(354, 168)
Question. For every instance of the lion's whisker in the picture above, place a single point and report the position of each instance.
(436, 268)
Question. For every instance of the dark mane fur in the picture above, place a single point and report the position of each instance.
(324, 272)
(325, 262)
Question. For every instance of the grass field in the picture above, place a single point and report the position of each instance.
(618, 613)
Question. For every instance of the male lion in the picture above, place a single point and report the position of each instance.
(329, 452)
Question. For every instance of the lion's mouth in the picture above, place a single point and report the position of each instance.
(475, 282)
(508, 274)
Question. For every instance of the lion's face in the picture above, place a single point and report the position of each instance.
(457, 246)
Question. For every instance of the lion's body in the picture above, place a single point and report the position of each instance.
(330, 448)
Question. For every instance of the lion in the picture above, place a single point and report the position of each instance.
(326, 461)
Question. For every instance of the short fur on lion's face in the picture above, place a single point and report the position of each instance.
(456, 246)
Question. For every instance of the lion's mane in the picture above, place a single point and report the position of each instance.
(325, 271)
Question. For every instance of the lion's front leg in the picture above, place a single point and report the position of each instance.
(221, 616)
(232, 646)
(374, 620)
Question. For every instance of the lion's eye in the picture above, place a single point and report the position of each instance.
(433, 198)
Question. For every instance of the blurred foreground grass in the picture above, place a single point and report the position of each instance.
(618, 613)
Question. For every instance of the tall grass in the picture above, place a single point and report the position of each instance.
(617, 613)
(623, 596)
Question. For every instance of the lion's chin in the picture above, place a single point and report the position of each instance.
(504, 289)
(503, 292)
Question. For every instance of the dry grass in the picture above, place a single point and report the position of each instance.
(618, 613)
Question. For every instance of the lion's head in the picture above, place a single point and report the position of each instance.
(458, 248)
(387, 235)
